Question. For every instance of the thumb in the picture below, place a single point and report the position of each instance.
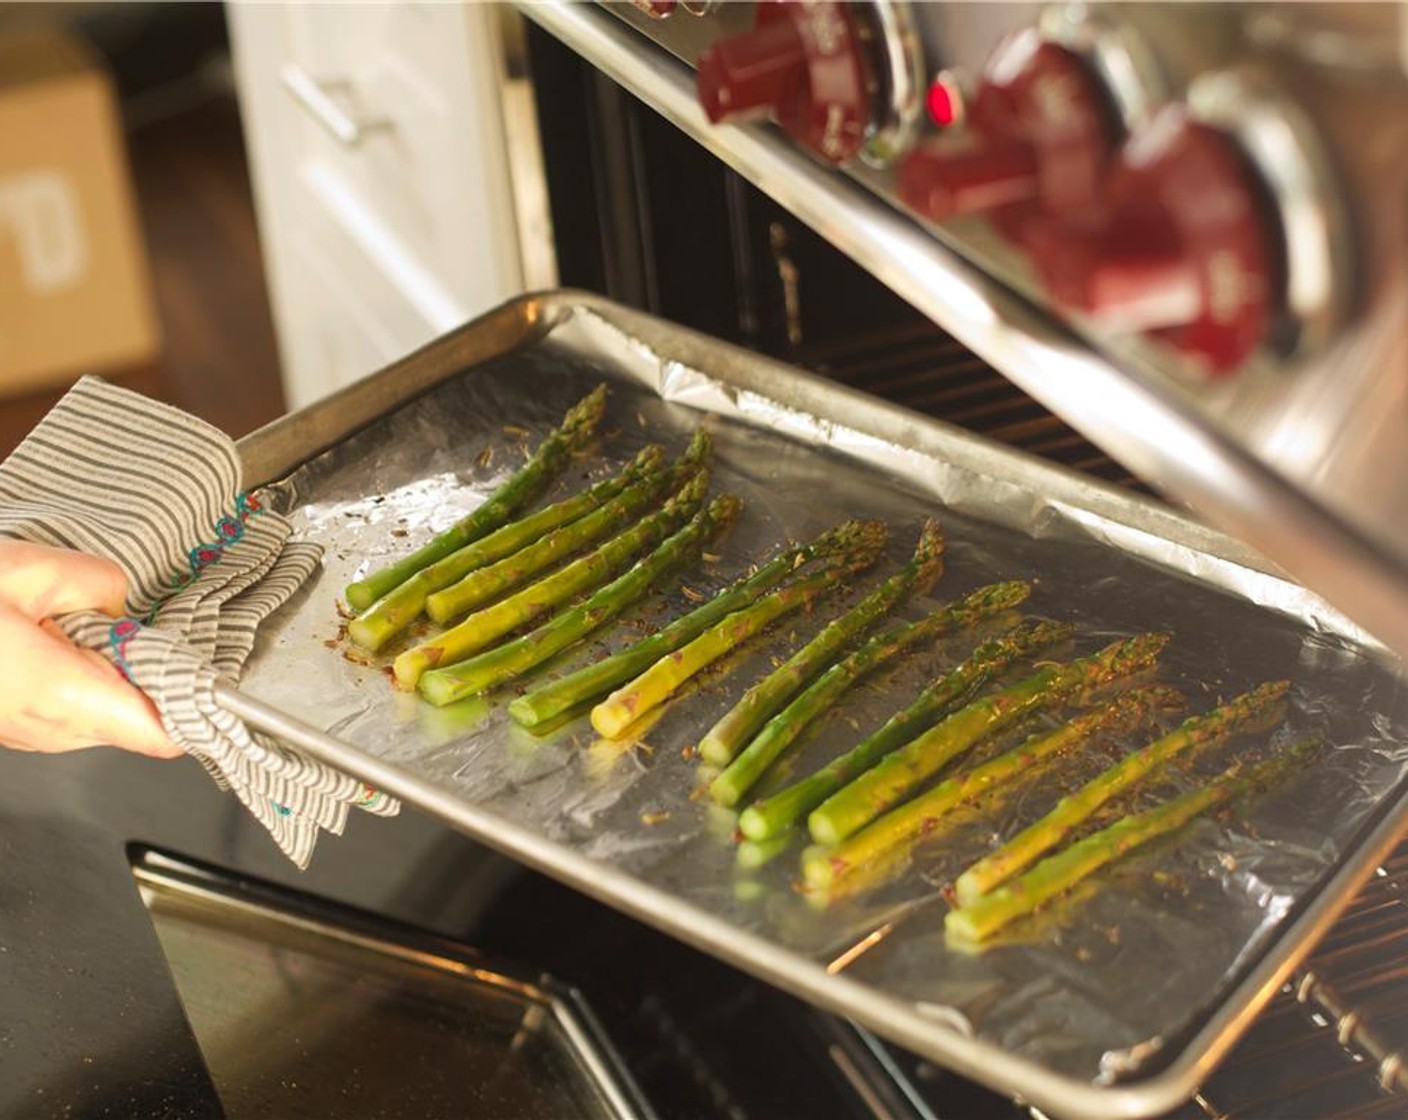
(40, 582)
(123, 715)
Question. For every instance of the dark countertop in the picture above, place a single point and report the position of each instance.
(93, 1025)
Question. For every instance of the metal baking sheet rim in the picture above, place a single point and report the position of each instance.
(281, 446)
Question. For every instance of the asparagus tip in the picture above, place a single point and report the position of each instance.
(997, 596)
(691, 491)
(724, 509)
(588, 411)
(928, 553)
(701, 445)
(1048, 632)
(1143, 647)
(648, 459)
(864, 535)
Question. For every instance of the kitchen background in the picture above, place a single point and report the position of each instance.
(211, 347)
(178, 123)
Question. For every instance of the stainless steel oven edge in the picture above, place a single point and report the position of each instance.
(1188, 455)
(274, 450)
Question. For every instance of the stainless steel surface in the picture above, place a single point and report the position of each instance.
(1303, 457)
(318, 101)
(469, 778)
(299, 1014)
(897, 44)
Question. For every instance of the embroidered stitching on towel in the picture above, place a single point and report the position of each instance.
(120, 635)
(229, 531)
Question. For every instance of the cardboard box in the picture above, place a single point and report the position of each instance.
(75, 294)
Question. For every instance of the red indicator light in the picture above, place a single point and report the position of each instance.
(944, 102)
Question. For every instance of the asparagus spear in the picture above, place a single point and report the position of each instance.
(896, 777)
(981, 917)
(490, 583)
(551, 456)
(917, 818)
(782, 810)
(594, 681)
(403, 604)
(1029, 844)
(759, 703)
(614, 714)
(496, 666)
(596, 567)
(782, 730)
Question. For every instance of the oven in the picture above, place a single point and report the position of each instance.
(970, 210)
(915, 237)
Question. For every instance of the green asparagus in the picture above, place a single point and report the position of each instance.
(753, 854)
(981, 917)
(893, 779)
(772, 815)
(1037, 839)
(918, 818)
(484, 627)
(783, 729)
(487, 584)
(589, 684)
(506, 662)
(578, 426)
(402, 605)
(614, 714)
(727, 737)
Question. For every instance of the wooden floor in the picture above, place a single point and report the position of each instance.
(218, 356)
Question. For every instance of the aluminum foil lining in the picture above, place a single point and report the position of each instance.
(1100, 986)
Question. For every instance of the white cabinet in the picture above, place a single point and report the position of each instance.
(380, 155)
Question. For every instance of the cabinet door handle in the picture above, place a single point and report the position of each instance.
(316, 101)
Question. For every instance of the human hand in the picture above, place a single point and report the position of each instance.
(54, 696)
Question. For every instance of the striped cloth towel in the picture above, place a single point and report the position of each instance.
(157, 490)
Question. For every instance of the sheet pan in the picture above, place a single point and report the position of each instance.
(1114, 1004)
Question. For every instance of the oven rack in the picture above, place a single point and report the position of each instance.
(920, 367)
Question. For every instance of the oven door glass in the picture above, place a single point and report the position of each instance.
(299, 1015)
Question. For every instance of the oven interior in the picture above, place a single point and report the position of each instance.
(661, 225)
